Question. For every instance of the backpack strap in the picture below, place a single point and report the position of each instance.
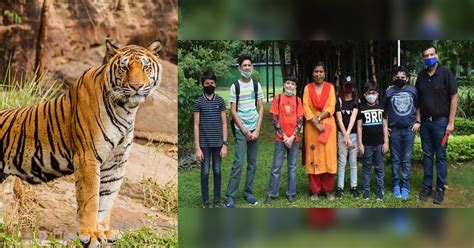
(237, 94)
(255, 89)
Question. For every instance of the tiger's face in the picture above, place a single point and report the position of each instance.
(133, 72)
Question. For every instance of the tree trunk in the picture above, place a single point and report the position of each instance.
(281, 51)
(372, 61)
(40, 45)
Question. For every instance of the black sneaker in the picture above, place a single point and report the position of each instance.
(219, 204)
(425, 194)
(379, 195)
(268, 200)
(438, 196)
(366, 195)
(206, 205)
(250, 199)
(355, 193)
(339, 192)
(291, 198)
(229, 202)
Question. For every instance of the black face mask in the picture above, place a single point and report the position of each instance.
(399, 83)
(209, 89)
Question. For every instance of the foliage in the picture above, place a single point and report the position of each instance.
(188, 91)
(12, 16)
(460, 149)
(146, 237)
(196, 57)
(16, 91)
(163, 198)
(466, 103)
(463, 126)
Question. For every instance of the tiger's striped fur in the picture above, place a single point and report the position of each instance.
(87, 131)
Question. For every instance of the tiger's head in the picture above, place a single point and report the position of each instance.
(133, 72)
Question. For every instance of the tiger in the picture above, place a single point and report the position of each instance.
(87, 131)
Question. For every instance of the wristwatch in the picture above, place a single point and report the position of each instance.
(319, 119)
(225, 143)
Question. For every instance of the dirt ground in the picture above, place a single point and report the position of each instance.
(51, 208)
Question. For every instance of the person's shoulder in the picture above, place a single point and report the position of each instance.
(219, 98)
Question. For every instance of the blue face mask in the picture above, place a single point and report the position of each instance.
(246, 74)
(430, 62)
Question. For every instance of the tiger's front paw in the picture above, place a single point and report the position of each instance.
(91, 239)
(112, 235)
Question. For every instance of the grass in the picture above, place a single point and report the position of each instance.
(460, 192)
(143, 237)
(17, 91)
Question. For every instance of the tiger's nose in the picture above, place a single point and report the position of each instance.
(136, 86)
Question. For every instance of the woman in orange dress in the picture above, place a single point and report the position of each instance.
(320, 159)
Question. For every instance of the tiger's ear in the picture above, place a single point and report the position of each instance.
(155, 47)
(110, 51)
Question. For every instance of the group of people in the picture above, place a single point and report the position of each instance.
(335, 129)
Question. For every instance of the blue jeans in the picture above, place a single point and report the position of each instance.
(342, 160)
(432, 133)
(401, 150)
(211, 153)
(373, 156)
(278, 156)
(241, 147)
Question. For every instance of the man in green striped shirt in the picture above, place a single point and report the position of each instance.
(246, 108)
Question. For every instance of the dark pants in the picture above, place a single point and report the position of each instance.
(373, 157)
(211, 154)
(432, 133)
(401, 150)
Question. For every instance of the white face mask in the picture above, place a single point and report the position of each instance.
(246, 74)
(371, 98)
(289, 92)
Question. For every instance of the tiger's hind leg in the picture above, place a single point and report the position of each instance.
(110, 182)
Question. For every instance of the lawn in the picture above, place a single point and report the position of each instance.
(459, 193)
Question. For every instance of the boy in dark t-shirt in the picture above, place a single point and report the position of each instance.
(372, 134)
(210, 136)
(400, 104)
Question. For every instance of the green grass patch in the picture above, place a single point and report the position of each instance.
(459, 193)
(17, 91)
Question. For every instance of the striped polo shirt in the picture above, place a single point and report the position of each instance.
(246, 110)
(210, 123)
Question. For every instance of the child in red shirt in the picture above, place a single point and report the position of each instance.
(287, 111)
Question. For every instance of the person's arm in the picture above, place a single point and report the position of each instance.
(223, 152)
(199, 155)
(235, 117)
(452, 113)
(330, 106)
(359, 136)
(385, 135)
(256, 133)
(352, 120)
(276, 123)
(417, 124)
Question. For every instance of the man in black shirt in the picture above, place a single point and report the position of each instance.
(438, 102)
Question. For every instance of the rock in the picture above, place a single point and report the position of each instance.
(157, 118)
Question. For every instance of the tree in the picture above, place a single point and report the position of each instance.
(39, 62)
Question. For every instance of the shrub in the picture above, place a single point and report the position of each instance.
(466, 103)
(463, 126)
(460, 149)
(188, 91)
